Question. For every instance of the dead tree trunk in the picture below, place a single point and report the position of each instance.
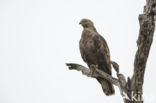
(132, 88)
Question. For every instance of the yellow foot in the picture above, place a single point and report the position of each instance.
(91, 72)
(92, 67)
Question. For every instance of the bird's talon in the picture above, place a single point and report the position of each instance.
(91, 72)
(92, 66)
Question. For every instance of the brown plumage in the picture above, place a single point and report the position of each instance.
(94, 51)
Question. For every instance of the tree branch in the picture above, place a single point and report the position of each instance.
(97, 73)
(147, 27)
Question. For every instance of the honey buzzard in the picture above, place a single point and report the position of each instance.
(94, 51)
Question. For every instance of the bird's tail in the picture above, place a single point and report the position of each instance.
(107, 87)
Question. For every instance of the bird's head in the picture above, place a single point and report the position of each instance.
(86, 23)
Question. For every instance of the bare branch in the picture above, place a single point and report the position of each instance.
(115, 66)
(147, 27)
(95, 74)
(83, 69)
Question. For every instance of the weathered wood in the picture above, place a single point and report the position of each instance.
(97, 73)
(145, 38)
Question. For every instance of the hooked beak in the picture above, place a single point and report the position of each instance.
(80, 23)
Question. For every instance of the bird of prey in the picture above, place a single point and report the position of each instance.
(95, 52)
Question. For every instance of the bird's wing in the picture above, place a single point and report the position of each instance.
(82, 50)
(102, 53)
(105, 49)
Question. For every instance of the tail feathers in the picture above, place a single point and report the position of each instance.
(107, 87)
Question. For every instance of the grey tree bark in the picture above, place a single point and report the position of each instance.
(131, 89)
